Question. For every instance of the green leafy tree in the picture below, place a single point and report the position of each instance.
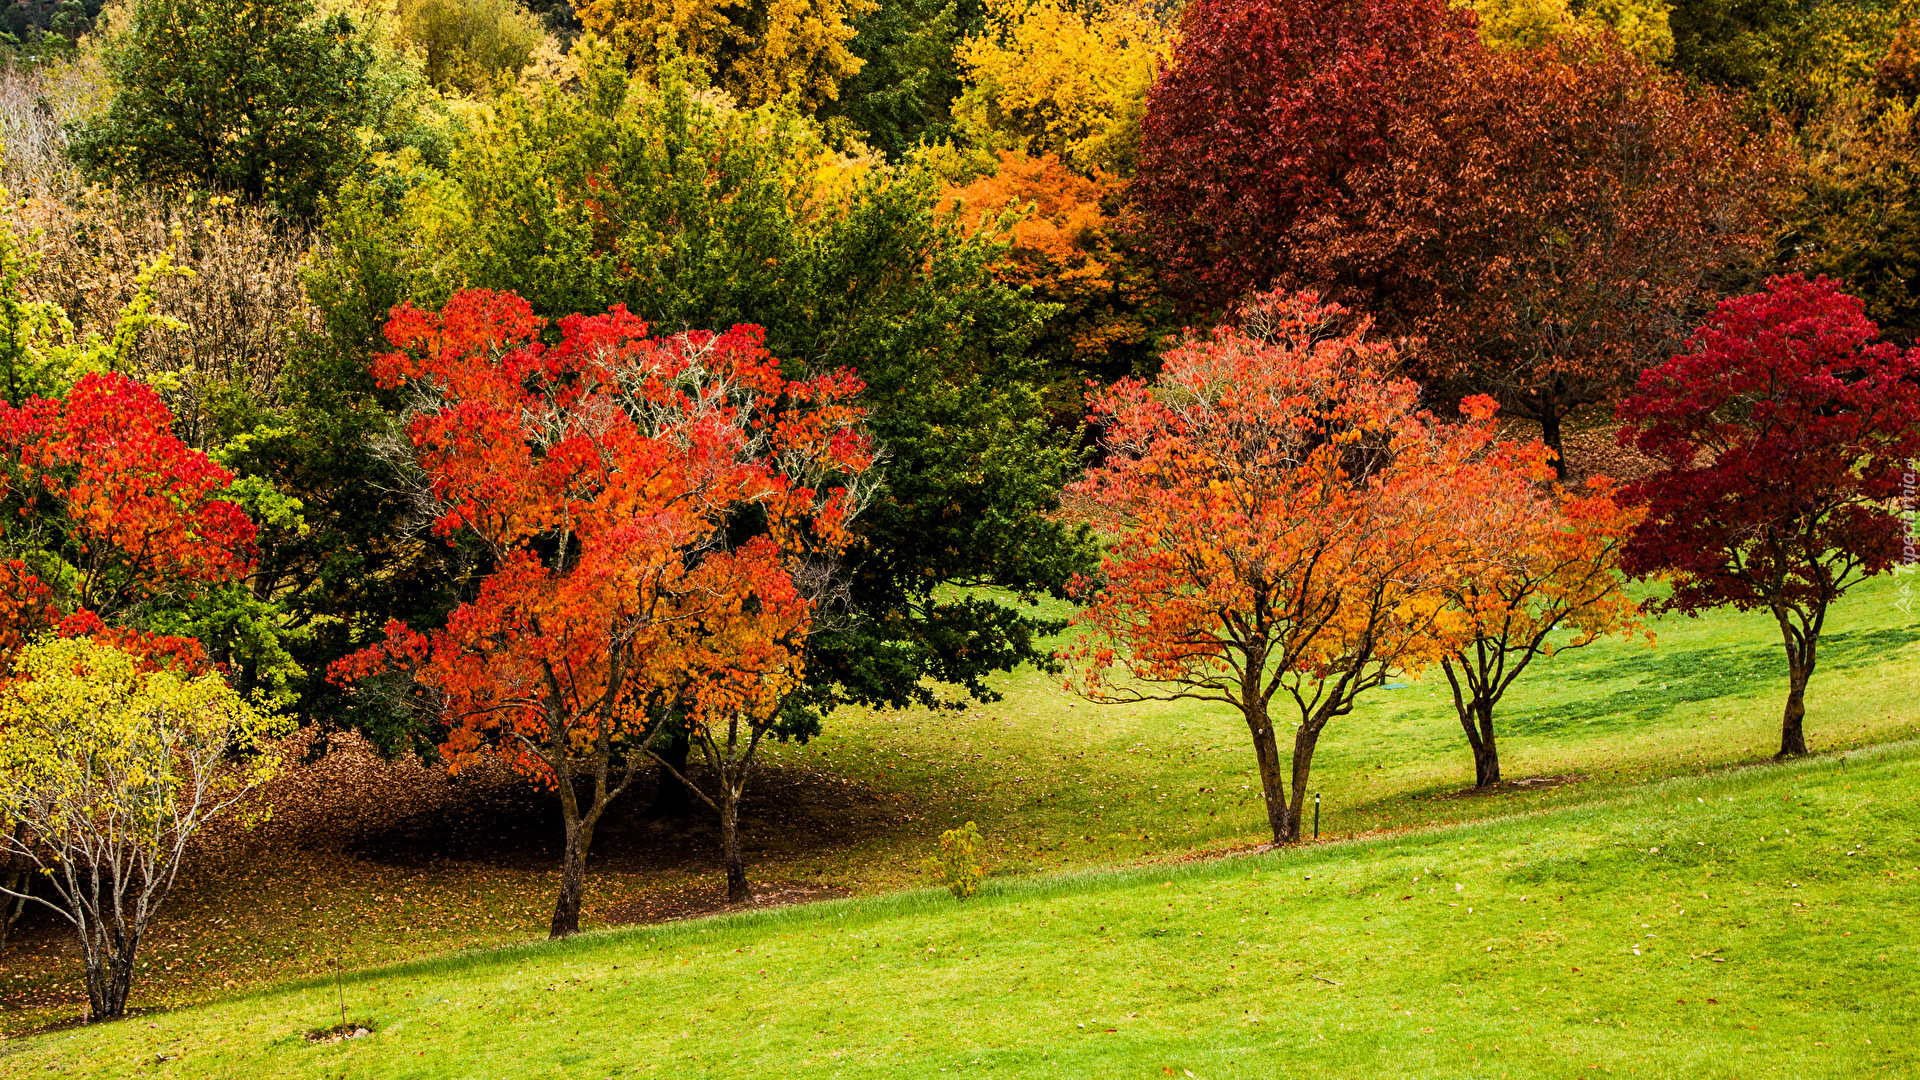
(108, 768)
(904, 91)
(471, 46)
(1790, 56)
(252, 97)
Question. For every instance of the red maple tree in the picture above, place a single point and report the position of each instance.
(1785, 432)
(1288, 521)
(645, 505)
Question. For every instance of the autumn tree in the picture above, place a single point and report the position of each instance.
(1539, 574)
(1783, 431)
(1856, 220)
(1544, 219)
(109, 518)
(471, 46)
(108, 769)
(1640, 25)
(647, 506)
(1053, 78)
(634, 189)
(1288, 520)
(759, 53)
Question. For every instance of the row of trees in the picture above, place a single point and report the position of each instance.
(1295, 530)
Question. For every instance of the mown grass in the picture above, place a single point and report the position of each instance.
(1752, 922)
(1059, 784)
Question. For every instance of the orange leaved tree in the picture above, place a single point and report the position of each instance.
(1288, 523)
(648, 507)
(1541, 573)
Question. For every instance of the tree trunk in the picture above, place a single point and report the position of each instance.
(672, 800)
(1478, 723)
(1793, 738)
(1550, 434)
(1802, 642)
(573, 882)
(109, 980)
(1305, 738)
(1273, 784)
(737, 890)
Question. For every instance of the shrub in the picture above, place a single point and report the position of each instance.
(960, 865)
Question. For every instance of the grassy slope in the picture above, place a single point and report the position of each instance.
(1749, 923)
(1058, 784)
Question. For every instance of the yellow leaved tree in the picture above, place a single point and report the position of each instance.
(1641, 25)
(1047, 78)
(108, 768)
(758, 53)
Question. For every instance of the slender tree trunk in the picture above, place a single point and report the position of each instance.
(573, 863)
(1793, 738)
(737, 890)
(109, 959)
(1305, 738)
(1802, 644)
(1478, 723)
(1550, 433)
(1273, 783)
(573, 883)
(672, 800)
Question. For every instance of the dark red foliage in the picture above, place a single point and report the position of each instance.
(1268, 106)
(1544, 221)
(1787, 432)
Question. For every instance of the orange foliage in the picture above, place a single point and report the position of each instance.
(1068, 248)
(113, 512)
(1290, 522)
(1540, 561)
(602, 475)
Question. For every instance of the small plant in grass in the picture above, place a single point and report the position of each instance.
(960, 865)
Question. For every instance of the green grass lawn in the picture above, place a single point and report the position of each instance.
(1754, 922)
(1056, 785)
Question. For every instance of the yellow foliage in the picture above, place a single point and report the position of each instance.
(1047, 79)
(777, 49)
(1641, 25)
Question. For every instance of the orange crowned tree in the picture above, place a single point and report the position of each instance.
(1288, 522)
(647, 506)
(1541, 573)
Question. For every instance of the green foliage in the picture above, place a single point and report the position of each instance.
(960, 866)
(903, 93)
(252, 97)
(471, 46)
(1792, 56)
(1857, 220)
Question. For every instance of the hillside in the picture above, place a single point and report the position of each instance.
(1752, 922)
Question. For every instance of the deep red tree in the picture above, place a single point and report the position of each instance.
(1267, 109)
(1543, 220)
(1785, 432)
